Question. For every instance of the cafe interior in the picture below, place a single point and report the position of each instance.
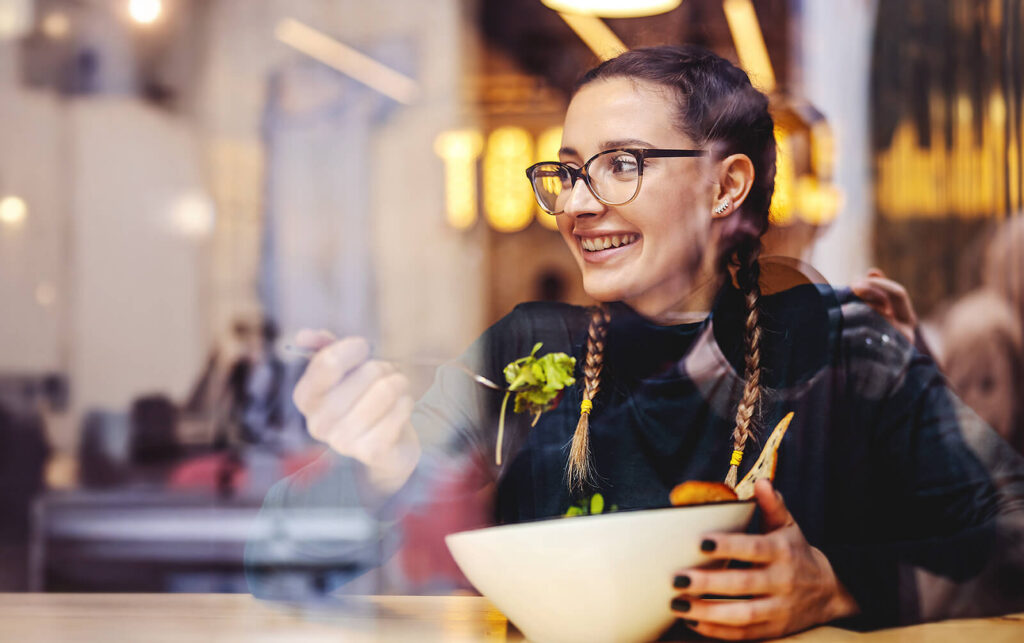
(185, 184)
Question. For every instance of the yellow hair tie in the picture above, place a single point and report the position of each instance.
(586, 406)
(737, 456)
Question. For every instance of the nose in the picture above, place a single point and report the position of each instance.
(582, 201)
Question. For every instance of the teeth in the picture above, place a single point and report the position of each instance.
(593, 244)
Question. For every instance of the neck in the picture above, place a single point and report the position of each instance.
(693, 305)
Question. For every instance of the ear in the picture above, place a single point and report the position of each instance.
(735, 178)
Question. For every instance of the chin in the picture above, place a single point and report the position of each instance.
(604, 291)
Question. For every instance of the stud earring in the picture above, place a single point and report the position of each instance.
(722, 208)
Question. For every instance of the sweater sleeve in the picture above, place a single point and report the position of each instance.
(451, 488)
(945, 497)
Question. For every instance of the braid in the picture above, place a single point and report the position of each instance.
(579, 469)
(748, 276)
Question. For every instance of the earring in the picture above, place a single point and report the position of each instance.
(722, 208)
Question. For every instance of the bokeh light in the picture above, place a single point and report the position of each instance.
(145, 11)
(56, 25)
(193, 215)
(13, 210)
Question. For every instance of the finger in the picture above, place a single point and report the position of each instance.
(746, 547)
(378, 444)
(734, 633)
(722, 582)
(875, 271)
(313, 339)
(327, 368)
(898, 298)
(338, 402)
(371, 408)
(774, 514)
(728, 612)
(872, 295)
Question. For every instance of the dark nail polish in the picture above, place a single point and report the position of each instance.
(707, 545)
(681, 582)
(681, 605)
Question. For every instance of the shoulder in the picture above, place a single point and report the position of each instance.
(808, 327)
(876, 356)
(559, 327)
(545, 317)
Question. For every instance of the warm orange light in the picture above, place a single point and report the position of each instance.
(460, 150)
(613, 8)
(781, 212)
(749, 42)
(548, 144)
(508, 198)
(595, 34)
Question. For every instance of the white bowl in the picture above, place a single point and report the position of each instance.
(592, 578)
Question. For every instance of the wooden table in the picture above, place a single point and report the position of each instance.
(222, 618)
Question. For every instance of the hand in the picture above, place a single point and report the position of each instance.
(790, 588)
(358, 407)
(889, 299)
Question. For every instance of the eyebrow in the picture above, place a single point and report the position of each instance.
(608, 145)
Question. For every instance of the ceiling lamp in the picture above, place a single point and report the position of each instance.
(613, 8)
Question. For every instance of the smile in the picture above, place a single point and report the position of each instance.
(597, 244)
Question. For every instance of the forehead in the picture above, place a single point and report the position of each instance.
(618, 109)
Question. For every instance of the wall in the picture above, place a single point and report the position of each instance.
(834, 64)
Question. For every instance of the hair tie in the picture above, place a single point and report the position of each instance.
(586, 406)
(737, 457)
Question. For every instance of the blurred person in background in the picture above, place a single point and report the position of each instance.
(241, 392)
(888, 478)
(983, 355)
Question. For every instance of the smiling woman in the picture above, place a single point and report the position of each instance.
(661, 193)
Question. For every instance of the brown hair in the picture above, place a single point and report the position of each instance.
(720, 110)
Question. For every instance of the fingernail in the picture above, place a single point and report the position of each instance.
(691, 623)
(681, 582)
(707, 545)
(681, 605)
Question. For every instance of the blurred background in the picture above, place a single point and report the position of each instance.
(186, 183)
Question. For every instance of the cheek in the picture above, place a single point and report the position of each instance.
(679, 238)
(565, 230)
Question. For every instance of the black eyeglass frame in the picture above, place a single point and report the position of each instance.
(639, 153)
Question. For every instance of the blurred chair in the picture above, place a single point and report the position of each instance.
(103, 450)
(154, 420)
(983, 357)
(23, 454)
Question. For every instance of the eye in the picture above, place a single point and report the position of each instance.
(623, 163)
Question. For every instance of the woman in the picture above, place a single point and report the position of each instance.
(661, 193)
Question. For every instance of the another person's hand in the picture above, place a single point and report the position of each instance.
(790, 588)
(358, 406)
(889, 299)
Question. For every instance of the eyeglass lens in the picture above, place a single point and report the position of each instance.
(614, 178)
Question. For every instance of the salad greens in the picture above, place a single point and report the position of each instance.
(538, 383)
(589, 507)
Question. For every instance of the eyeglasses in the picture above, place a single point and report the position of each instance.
(612, 176)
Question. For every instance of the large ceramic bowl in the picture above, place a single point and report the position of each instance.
(592, 578)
